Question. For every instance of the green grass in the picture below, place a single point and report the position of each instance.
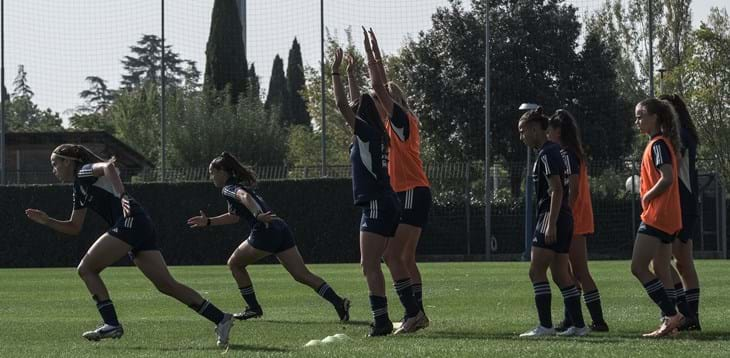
(476, 309)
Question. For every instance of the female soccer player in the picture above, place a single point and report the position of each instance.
(405, 169)
(687, 295)
(96, 185)
(553, 231)
(380, 208)
(563, 130)
(270, 235)
(661, 218)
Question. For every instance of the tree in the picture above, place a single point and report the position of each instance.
(613, 21)
(5, 95)
(135, 117)
(145, 64)
(92, 114)
(277, 95)
(254, 80)
(296, 106)
(98, 97)
(191, 75)
(305, 141)
(708, 87)
(674, 44)
(202, 128)
(22, 89)
(604, 116)
(226, 66)
(23, 115)
(533, 58)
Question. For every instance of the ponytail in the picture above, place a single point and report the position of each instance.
(685, 119)
(569, 132)
(80, 154)
(235, 169)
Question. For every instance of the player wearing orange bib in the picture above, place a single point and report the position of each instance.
(407, 176)
(563, 129)
(661, 218)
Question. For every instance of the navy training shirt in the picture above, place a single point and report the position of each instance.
(549, 162)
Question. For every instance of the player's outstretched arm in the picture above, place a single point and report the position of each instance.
(72, 226)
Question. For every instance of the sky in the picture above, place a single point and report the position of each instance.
(60, 43)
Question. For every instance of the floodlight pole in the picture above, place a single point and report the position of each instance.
(651, 49)
(529, 228)
(324, 116)
(162, 96)
(487, 183)
(2, 97)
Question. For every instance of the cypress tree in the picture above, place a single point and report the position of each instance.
(277, 95)
(226, 65)
(295, 83)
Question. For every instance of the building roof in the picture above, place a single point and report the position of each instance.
(116, 147)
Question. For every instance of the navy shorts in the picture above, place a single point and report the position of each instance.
(137, 231)
(381, 216)
(274, 239)
(564, 233)
(415, 205)
(654, 232)
(688, 229)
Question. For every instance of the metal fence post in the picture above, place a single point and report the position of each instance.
(467, 207)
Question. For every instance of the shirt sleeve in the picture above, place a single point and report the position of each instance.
(229, 193)
(399, 123)
(572, 163)
(552, 161)
(660, 154)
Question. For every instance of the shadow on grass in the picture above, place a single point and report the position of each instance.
(349, 323)
(600, 338)
(232, 347)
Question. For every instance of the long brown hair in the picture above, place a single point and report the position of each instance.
(226, 161)
(666, 120)
(569, 132)
(685, 119)
(79, 153)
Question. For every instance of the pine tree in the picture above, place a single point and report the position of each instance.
(22, 89)
(145, 64)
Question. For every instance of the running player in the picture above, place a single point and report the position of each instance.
(661, 218)
(564, 130)
(270, 235)
(96, 185)
(553, 231)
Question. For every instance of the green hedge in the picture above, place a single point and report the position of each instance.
(319, 212)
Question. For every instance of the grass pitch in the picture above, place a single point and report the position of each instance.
(476, 309)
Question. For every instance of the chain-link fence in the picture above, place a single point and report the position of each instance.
(456, 225)
(82, 65)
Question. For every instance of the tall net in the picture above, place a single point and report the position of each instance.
(95, 65)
